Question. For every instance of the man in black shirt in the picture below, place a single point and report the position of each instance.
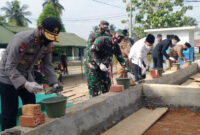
(160, 50)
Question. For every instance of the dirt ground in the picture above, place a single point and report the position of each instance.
(76, 89)
(177, 122)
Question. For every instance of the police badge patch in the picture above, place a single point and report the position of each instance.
(23, 47)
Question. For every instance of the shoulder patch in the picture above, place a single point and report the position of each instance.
(23, 47)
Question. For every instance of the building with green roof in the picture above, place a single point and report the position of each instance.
(70, 43)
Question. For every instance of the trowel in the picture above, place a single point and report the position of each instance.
(58, 91)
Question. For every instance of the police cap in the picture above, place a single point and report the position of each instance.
(51, 28)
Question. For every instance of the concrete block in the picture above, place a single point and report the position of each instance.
(171, 95)
(116, 88)
(31, 109)
(29, 121)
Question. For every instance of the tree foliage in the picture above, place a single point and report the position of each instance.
(150, 14)
(16, 14)
(50, 11)
(2, 20)
(55, 4)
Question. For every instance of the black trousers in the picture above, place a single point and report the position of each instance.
(158, 62)
(137, 71)
(9, 103)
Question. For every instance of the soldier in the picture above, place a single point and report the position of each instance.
(177, 52)
(23, 51)
(103, 30)
(99, 58)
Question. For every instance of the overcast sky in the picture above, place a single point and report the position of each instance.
(80, 16)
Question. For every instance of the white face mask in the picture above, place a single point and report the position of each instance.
(148, 47)
(173, 43)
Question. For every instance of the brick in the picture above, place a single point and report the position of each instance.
(116, 88)
(29, 121)
(42, 118)
(186, 65)
(31, 109)
(153, 73)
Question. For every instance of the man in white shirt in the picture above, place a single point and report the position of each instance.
(138, 54)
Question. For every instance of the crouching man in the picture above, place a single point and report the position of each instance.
(138, 54)
(177, 52)
(98, 60)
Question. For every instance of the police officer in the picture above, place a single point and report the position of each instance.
(99, 58)
(160, 50)
(22, 52)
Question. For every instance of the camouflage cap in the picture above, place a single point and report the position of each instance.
(104, 23)
(120, 32)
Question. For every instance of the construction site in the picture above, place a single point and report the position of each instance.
(97, 67)
(166, 105)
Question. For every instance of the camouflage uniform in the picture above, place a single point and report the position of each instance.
(100, 52)
(93, 36)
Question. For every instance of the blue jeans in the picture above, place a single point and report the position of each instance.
(9, 103)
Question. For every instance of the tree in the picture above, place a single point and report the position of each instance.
(55, 4)
(150, 14)
(2, 20)
(50, 11)
(16, 14)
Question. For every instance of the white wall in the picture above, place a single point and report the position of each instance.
(185, 36)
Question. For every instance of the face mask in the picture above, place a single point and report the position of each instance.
(173, 43)
(148, 47)
(44, 40)
(116, 40)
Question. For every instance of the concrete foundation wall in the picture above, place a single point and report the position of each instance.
(171, 95)
(98, 114)
(176, 77)
(93, 116)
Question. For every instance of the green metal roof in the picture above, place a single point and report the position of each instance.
(5, 35)
(66, 39)
(70, 39)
